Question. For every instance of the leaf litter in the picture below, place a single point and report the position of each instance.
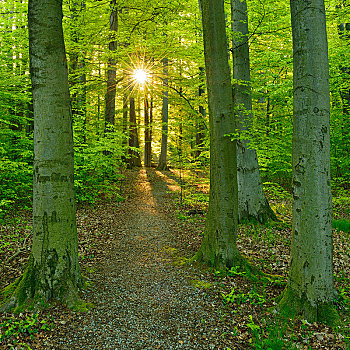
(133, 255)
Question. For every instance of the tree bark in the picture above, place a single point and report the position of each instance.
(134, 156)
(111, 72)
(218, 247)
(200, 130)
(252, 203)
(310, 289)
(52, 270)
(162, 164)
(148, 139)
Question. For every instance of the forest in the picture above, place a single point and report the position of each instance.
(174, 174)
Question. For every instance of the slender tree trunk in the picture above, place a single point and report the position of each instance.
(344, 33)
(134, 156)
(52, 270)
(148, 139)
(111, 72)
(310, 289)
(252, 203)
(201, 119)
(162, 164)
(125, 118)
(219, 242)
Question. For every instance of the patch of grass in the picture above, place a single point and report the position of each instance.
(270, 337)
(341, 225)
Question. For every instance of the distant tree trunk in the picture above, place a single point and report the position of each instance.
(151, 122)
(111, 72)
(125, 118)
(218, 247)
(200, 123)
(252, 203)
(134, 156)
(162, 164)
(310, 289)
(76, 68)
(148, 135)
(52, 270)
(344, 33)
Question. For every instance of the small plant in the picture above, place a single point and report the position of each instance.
(12, 328)
(252, 297)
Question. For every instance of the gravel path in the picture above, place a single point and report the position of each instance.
(142, 300)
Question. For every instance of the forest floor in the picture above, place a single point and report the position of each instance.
(133, 255)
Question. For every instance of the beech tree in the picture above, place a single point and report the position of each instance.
(52, 270)
(310, 290)
(111, 72)
(218, 247)
(252, 203)
(162, 164)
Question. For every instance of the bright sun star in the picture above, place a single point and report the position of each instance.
(140, 76)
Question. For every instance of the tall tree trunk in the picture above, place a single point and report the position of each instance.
(310, 289)
(218, 247)
(148, 139)
(134, 156)
(252, 203)
(52, 270)
(344, 33)
(200, 122)
(125, 118)
(111, 72)
(162, 164)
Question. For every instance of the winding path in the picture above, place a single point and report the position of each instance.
(142, 300)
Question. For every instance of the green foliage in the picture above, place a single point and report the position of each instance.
(13, 328)
(97, 167)
(252, 297)
(270, 337)
(15, 175)
(341, 225)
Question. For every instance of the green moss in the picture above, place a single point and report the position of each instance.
(200, 284)
(6, 294)
(292, 305)
(280, 225)
(82, 306)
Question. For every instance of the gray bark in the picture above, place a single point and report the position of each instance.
(252, 203)
(134, 156)
(148, 134)
(111, 72)
(53, 270)
(200, 119)
(162, 164)
(219, 242)
(310, 290)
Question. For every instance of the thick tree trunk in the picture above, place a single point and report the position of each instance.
(148, 135)
(111, 72)
(310, 290)
(162, 164)
(134, 156)
(252, 203)
(53, 270)
(219, 242)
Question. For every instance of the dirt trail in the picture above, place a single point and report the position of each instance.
(142, 300)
